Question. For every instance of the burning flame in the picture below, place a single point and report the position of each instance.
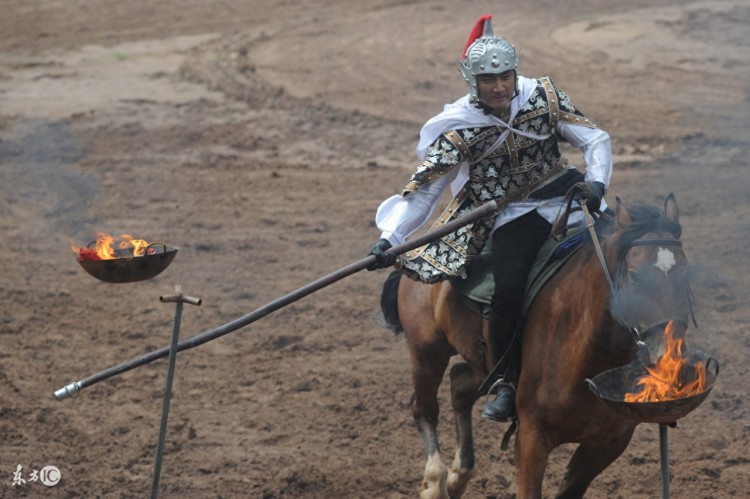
(672, 376)
(104, 247)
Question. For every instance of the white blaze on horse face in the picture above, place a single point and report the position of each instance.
(665, 260)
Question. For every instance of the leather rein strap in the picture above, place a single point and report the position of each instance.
(599, 252)
(559, 230)
(653, 241)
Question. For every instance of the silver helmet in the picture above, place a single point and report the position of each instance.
(486, 54)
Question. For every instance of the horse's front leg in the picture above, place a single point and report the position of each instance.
(532, 452)
(588, 461)
(428, 368)
(464, 384)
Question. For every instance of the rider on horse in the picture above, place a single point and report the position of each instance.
(499, 142)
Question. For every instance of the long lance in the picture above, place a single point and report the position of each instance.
(478, 213)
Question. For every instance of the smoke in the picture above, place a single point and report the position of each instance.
(708, 172)
(711, 295)
(651, 296)
(39, 181)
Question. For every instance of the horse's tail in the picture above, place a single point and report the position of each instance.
(389, 302)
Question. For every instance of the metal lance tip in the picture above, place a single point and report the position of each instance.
(68, 391)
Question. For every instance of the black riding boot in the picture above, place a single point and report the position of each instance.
(514, 246)
(503, 407)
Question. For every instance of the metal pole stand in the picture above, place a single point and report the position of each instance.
(178, 298)
(664, 457)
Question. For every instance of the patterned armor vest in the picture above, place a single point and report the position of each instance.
(506, 172)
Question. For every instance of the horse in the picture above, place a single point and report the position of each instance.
(578, 325)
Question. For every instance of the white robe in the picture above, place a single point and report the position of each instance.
(399, 216)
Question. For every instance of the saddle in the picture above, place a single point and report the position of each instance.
(478, 286)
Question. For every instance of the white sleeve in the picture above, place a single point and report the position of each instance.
(596, 147)
(399, 216)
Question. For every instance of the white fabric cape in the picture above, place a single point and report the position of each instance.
(463, 114)
(398, 217)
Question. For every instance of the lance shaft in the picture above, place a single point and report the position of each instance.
(478, 213)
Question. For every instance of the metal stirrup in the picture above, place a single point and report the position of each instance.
(498, 382)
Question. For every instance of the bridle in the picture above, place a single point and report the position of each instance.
(559, 231)
(638, 333)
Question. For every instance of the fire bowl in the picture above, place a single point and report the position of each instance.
(131, 268)
(612, 385)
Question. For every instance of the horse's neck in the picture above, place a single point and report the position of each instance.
(607, 334)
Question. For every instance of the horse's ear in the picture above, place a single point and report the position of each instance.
(621, 214)
(671, 209)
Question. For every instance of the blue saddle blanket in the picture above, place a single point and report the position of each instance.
(479, 283)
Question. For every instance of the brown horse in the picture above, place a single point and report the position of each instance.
(577, 326)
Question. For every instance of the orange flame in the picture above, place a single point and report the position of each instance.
(672, 376)
(104, 247)
(139, 245)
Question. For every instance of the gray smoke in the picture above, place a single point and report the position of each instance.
(39, 178)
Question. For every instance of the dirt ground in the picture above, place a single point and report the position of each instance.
(259, 137)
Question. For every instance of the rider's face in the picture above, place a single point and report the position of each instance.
(496, 90)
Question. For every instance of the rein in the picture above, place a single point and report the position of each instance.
(559, 230)
(597, 246)
(644, 241)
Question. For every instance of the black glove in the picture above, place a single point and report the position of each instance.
(592, 194)
(384, 259)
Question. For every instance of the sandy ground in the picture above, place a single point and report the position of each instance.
(259, 137)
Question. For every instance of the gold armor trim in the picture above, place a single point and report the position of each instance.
(410, 187)
(512, 143)
(455, 139)
(459, 143)
(554, 111)
(554, 114)
(413, 185)
(530, 116)
(577, 120)
(445, 216)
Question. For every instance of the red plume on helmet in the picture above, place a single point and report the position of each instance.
(476, 33)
